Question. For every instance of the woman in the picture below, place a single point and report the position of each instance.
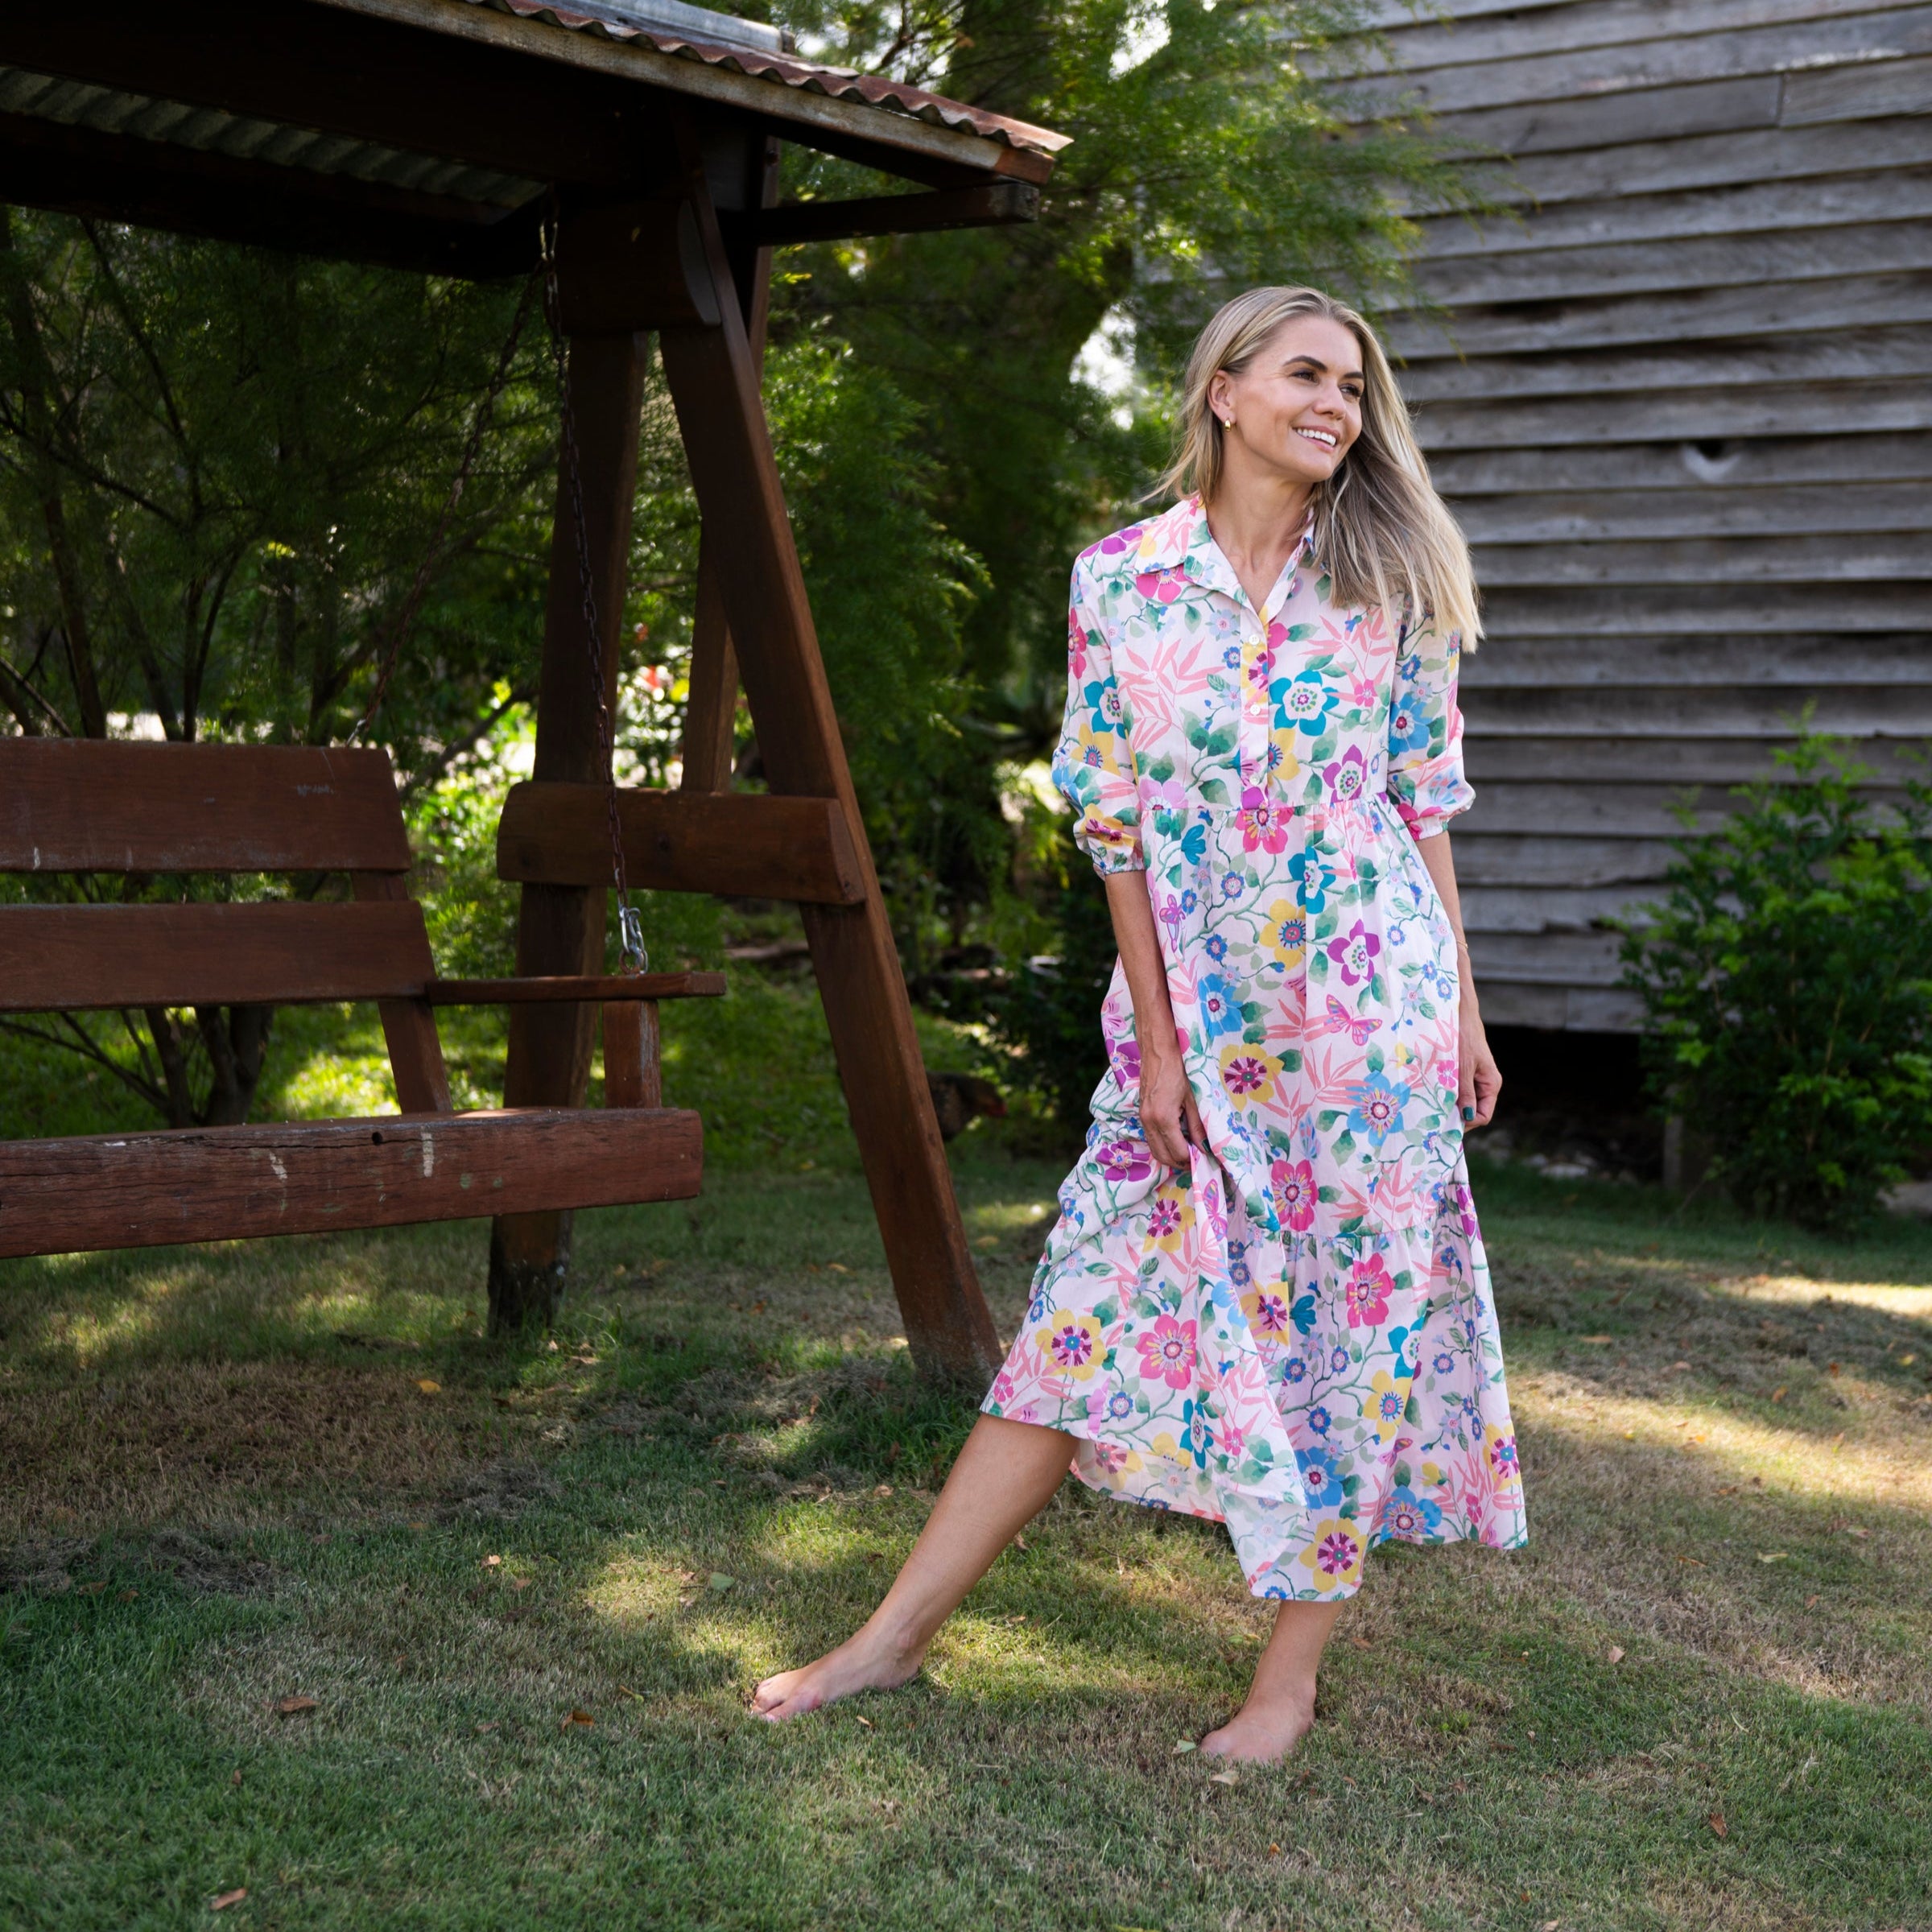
(1265, 1299)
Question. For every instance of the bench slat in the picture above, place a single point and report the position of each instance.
(226, 1183)
(70, 958)
(93, 805)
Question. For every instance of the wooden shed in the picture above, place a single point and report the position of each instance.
(1681, 407)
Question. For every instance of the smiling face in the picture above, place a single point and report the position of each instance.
(1296, 409)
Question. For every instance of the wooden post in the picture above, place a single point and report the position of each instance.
(714, 384)
(560, 928)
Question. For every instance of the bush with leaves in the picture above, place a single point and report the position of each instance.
(1787, 983)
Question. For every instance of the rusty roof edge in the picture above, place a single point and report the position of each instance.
(872, 107)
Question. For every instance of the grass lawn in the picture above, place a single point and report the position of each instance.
(527, 1590)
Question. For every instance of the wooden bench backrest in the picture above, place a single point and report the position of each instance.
(69, 805)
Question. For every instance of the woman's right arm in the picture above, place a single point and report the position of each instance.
(1169, 1117)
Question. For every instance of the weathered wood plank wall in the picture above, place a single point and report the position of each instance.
(1683, 407)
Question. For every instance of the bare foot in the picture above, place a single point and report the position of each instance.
(862, 1662)
(1265, 1730)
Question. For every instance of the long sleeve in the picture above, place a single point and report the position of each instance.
(1093, 764)
(1426, 777)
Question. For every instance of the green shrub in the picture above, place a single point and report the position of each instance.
(1787, 980)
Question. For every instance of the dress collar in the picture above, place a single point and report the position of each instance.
(1179, 540)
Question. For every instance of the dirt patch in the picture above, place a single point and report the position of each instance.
(495, 1494)
(42, 1567)
(209, 1567)
(223, 1442)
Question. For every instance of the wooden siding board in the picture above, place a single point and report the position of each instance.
(1682, 60)
(1645, 609)
(1766, 308)
(1566, 25)
(1844, 356)
(1721, 661)
(1790, 253)
(1825, 409)
(1523, 860)
(1715, 107)
(1903, 87)
(1715, 161)
(1824, 560)
(1601, 516)
(1752, 712)
(1753, 465)
(1655, 759)
(1895, 194)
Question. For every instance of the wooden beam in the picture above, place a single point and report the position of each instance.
(409, 1027)
(608, 988)
(714, 385)
(633, 265)
(233, 1183)
(992, 204)
(633, 1069)
(738, 844)
(560, 929)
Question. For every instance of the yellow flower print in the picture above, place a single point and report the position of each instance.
(1500, 1445)
(1268, 1313)
(1432, 1476)
(1287, 766)
(1249, 1073)
(1286, 935)
(1071, 1343)
(1165, 1445)
(1334, 1554)
(1387, 1400)
(1167, 1219)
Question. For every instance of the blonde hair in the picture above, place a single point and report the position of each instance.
(1378, 520)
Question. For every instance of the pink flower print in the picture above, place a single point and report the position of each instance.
(1269, 1315)
(1171, 916)
(1076, 644)
(1245, 1074)
(1366, 1292)
(1263, 826)
(1166, 1218)
(1347, 779)
(1161, 586)
(1234, 1438)
(1354, 952)
(1120, 543)
(1127, 1065)
(1124, 1161)
(1002, 1387)
(1167, 1354)
(1364, 694)
(1337, 1553)
(1162, 795)
(1502, 1464)
(1294, 1193)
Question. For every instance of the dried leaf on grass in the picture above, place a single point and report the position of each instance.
(427, 1387)
(222, 1900)
(294, 1706)
(581, 1720)
(1716, 1822)
(1614, 1655)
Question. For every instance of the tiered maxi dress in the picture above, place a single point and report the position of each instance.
(1296, 1336)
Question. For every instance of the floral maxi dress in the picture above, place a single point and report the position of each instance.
(1297, 1336)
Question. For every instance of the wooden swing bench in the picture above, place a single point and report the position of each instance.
(138, 810)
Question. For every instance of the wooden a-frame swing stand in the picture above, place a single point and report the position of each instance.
(656, 140)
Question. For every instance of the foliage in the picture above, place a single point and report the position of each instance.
(1787, 982)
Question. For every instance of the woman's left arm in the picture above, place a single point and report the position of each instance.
(1478, 1081)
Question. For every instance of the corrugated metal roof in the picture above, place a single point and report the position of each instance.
(836, 83)
(109, 111)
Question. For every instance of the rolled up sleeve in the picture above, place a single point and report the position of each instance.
(1426, 782)
(1093, 763)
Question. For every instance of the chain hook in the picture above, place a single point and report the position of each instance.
(630, 934)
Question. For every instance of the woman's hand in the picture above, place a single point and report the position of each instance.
(1169, 1117)
(1478, 1079)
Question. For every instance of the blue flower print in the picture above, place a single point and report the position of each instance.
(1104, 703)
(1319, 1420)
(1302, 1314)
(1216, 947)
(1408, 729)
(1337, 1361)
(1195, 1423)
(1407, 1515)
(1318, 1477)
(1305, 700)
(1444, 1363)
(1232, 657)
(1312, 881)
(1119, 1406)
(1294, 1371)
(1220, 1006)
(1376, 1112)
(1233, 886)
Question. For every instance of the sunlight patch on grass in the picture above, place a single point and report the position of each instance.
(1888, 1298)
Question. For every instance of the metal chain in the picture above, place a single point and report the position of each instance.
(631, 927)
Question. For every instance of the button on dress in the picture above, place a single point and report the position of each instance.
(1297, 1336)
